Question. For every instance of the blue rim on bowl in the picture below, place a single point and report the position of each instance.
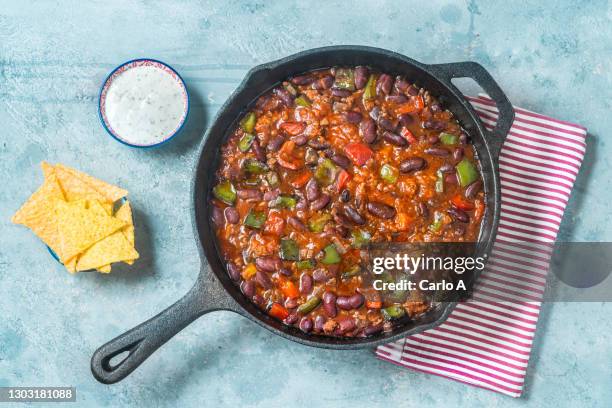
(124, 67)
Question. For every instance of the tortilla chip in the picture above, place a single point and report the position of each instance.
(104, 269)
(110, 192)
(47, 169)
(114, 248)
(124, 213)
(79, 227)
(39, 213)
(76, 189)
(71, 264)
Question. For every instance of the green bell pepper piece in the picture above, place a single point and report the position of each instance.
(467, 172)
(302, 101)
(310, 305)
(273, 179)
(345, 79)
(248, 122)
(317, 222)
(361, 238)
(325, 173)
(331, 255)
(253, 166)
(225, 192)
(370, 88)
(284, 201)
(393, 312)
(305, 264)
(448, 139)
(289, 250)
(245, 142)
(389, 173)
(255, 219)
(439, 186)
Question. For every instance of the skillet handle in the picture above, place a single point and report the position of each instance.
(473, 70)
(205, 296)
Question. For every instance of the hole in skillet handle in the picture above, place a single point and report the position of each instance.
(469, 69)
(116, 206)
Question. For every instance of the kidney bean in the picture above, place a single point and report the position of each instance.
(405, 119)
(302, 204)
(319, 322)
(329, 304)
(259, 152)
(284, 96)
(275, 143)
(296, 223)
(446, 168)
(356, 300)
(312, 190)
(381, 210)
(248, 288)
(341, 93)
(321, 275)
(451, 178)
(342, 219)
(292, 318)
(394, 139)
(231, 215)
(367, 128)
(345, 195)
(233, 271)
(464, 139)
(341, 160)
(249, 194)
(354, 215)
(268, 263)
(259, 300)
(342, 230)
(216, 214)
(437, 151)
(434, 125)
(412, 90)
(412, 164)
(318, 143)
(401, 85)
(320, 202)
(271, 194)
(458, 154)
(306, 324)
(373, 329)
(300, 140)
(291, 303)
(263, 279)
(385, 123)
(345, 325)
(473, 189)
(397, 99)
(344, 303)
(375, 112)
(324, 82)
(384, 84)
(458, 215)
(361, 77)
(306, 284)
(352, 116)
(423, 210)
(303, 80)
(433, 139)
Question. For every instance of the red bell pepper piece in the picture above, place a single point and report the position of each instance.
(343, 179)
(293, 128)
(359, 153)
(407, 134)
(461, 203)
(278, 311)
(289, 288)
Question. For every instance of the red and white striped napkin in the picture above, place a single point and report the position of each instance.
(487, 340)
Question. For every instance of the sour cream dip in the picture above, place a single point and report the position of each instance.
(143, 103)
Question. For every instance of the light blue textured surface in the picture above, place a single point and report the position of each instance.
(554, 58)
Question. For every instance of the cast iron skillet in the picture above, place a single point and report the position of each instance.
(214, 290)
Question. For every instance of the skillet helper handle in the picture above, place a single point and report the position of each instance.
(479, 74)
